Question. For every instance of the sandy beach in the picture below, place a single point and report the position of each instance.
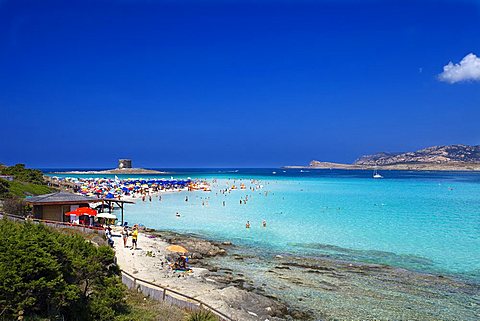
(148, 262)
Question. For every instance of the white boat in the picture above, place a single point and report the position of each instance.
(376, 175)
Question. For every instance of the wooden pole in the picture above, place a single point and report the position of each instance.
(121, 206)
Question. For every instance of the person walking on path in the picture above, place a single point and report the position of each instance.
(108, 235)
(125, 236)
(134, 237)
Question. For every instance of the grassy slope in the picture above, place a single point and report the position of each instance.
(144, 309)
(22, 189)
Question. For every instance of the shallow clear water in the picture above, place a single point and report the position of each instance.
(422, 221)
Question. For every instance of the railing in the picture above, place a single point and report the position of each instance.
(152, 290)
(55, 224)
(162, 293)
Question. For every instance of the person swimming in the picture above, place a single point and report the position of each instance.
(177, 215)
(264, 223)
(247, 225)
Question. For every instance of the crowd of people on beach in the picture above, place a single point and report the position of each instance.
(146, 189)
(134, 188)
(177, 263)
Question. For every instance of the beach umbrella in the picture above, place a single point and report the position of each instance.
(109, 195)
(106, 215)
(86, 211)
(177, 249)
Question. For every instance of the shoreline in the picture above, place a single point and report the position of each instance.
(340, 289)
(149, 263)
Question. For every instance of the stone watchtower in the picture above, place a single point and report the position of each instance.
(124, 163)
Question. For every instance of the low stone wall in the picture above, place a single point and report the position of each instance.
(160, 293)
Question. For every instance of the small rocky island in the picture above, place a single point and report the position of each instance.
(436, 158)
(124, 168)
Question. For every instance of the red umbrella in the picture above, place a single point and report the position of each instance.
(82, 211)
(86, 211)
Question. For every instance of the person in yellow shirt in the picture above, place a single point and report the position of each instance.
(134, 237)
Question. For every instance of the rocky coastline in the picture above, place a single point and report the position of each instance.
(250, 298)
(292, 287)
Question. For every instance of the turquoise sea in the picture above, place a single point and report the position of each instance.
(424, 221)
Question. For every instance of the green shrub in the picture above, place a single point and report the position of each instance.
(4, 188)
(47, 274)
(202, 315)
(19, 172)
(15, 205)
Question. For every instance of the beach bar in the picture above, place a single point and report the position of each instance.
(52, 207)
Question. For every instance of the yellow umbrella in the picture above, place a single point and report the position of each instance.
(177, 248)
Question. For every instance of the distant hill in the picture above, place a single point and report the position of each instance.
(450, 157)
(431, 155)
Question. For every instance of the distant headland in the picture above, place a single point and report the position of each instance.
(124, 167)
(436, 158)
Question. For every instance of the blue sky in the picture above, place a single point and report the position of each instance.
(232, 83)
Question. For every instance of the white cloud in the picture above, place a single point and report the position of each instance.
(467, 69)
